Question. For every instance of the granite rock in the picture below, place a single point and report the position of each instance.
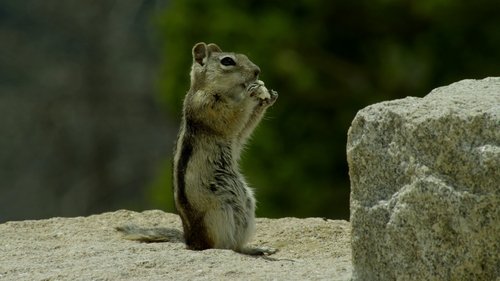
(425, 185)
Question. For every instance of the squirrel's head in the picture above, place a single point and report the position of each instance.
(220, 71)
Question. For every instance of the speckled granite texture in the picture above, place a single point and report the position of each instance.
(425, 180)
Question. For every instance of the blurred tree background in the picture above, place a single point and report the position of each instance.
(91, 92)
(327, 60)
(80, 130)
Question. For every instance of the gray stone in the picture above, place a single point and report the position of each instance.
(425, 185)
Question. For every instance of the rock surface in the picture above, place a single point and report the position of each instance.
(425, 185)
(88, 248)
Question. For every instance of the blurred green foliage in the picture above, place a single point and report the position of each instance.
(327, 60)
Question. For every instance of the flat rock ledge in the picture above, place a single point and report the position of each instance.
(425, 185)
(88, 248)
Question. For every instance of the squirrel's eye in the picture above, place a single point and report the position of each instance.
(227, 61)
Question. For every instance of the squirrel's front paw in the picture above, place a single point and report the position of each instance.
(269, 101)
(259, 91)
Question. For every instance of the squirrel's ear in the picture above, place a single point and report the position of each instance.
(200, 52)
(212, 48)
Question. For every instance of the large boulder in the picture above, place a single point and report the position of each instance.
(425, 180)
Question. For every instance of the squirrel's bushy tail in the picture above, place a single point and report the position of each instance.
(150, 235)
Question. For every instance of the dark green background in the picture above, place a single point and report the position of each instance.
(327, 60)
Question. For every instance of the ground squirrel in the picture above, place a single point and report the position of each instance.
(221, 109)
